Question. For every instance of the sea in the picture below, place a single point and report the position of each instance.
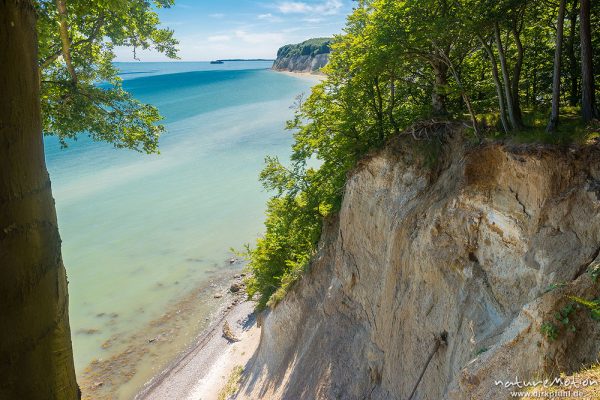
(148, 238)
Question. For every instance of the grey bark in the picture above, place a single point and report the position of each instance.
(439, 97)
(588, 104)
(553, 123)
(497, 83)
(506, 80)
(573, 68)
(516, 80)
(36, 360)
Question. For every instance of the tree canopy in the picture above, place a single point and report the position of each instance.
(80, 88)
(311, 47)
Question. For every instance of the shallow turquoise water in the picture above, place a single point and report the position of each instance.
(140, 231)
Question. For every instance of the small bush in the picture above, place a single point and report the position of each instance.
(549, 330)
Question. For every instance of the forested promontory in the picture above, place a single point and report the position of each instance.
(308, 56)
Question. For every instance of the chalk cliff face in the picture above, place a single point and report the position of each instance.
(309, 56)
(469, 248)
(301, 63)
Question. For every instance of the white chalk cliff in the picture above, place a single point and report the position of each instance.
(469, 247)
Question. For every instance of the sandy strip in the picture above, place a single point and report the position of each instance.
(304, 75)
(204, 370)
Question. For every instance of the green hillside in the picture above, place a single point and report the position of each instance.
(311, 47)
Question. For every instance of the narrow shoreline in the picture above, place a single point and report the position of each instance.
(202, 369)
(303, 75)
(119, 374)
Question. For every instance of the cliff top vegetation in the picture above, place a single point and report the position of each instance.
(514, 70)
(311, 47)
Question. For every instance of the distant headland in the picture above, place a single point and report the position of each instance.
(309, 56)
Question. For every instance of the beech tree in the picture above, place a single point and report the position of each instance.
(498, 27)
(36, 359)
(553, 123)
(510, 19)
(50, 82)
(571, 54)
(588, 102)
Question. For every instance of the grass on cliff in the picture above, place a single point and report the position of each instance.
(570, 129)
(233, 384)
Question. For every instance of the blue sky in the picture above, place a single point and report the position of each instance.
(213, 29)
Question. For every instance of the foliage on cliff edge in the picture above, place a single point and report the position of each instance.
(488, 63)
(311, 47)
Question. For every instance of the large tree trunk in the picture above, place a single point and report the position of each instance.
(588, 105)
(573, 68)
(440, 87)
(516, 125)
(36, 360)
(553, 123)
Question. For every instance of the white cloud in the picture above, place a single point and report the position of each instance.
(329, 7)
(290, 7)
(255, 34)
(315, 20)
(240, 43)
(219, 38)
(269, 18)
(259, 38)
(243, 44)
